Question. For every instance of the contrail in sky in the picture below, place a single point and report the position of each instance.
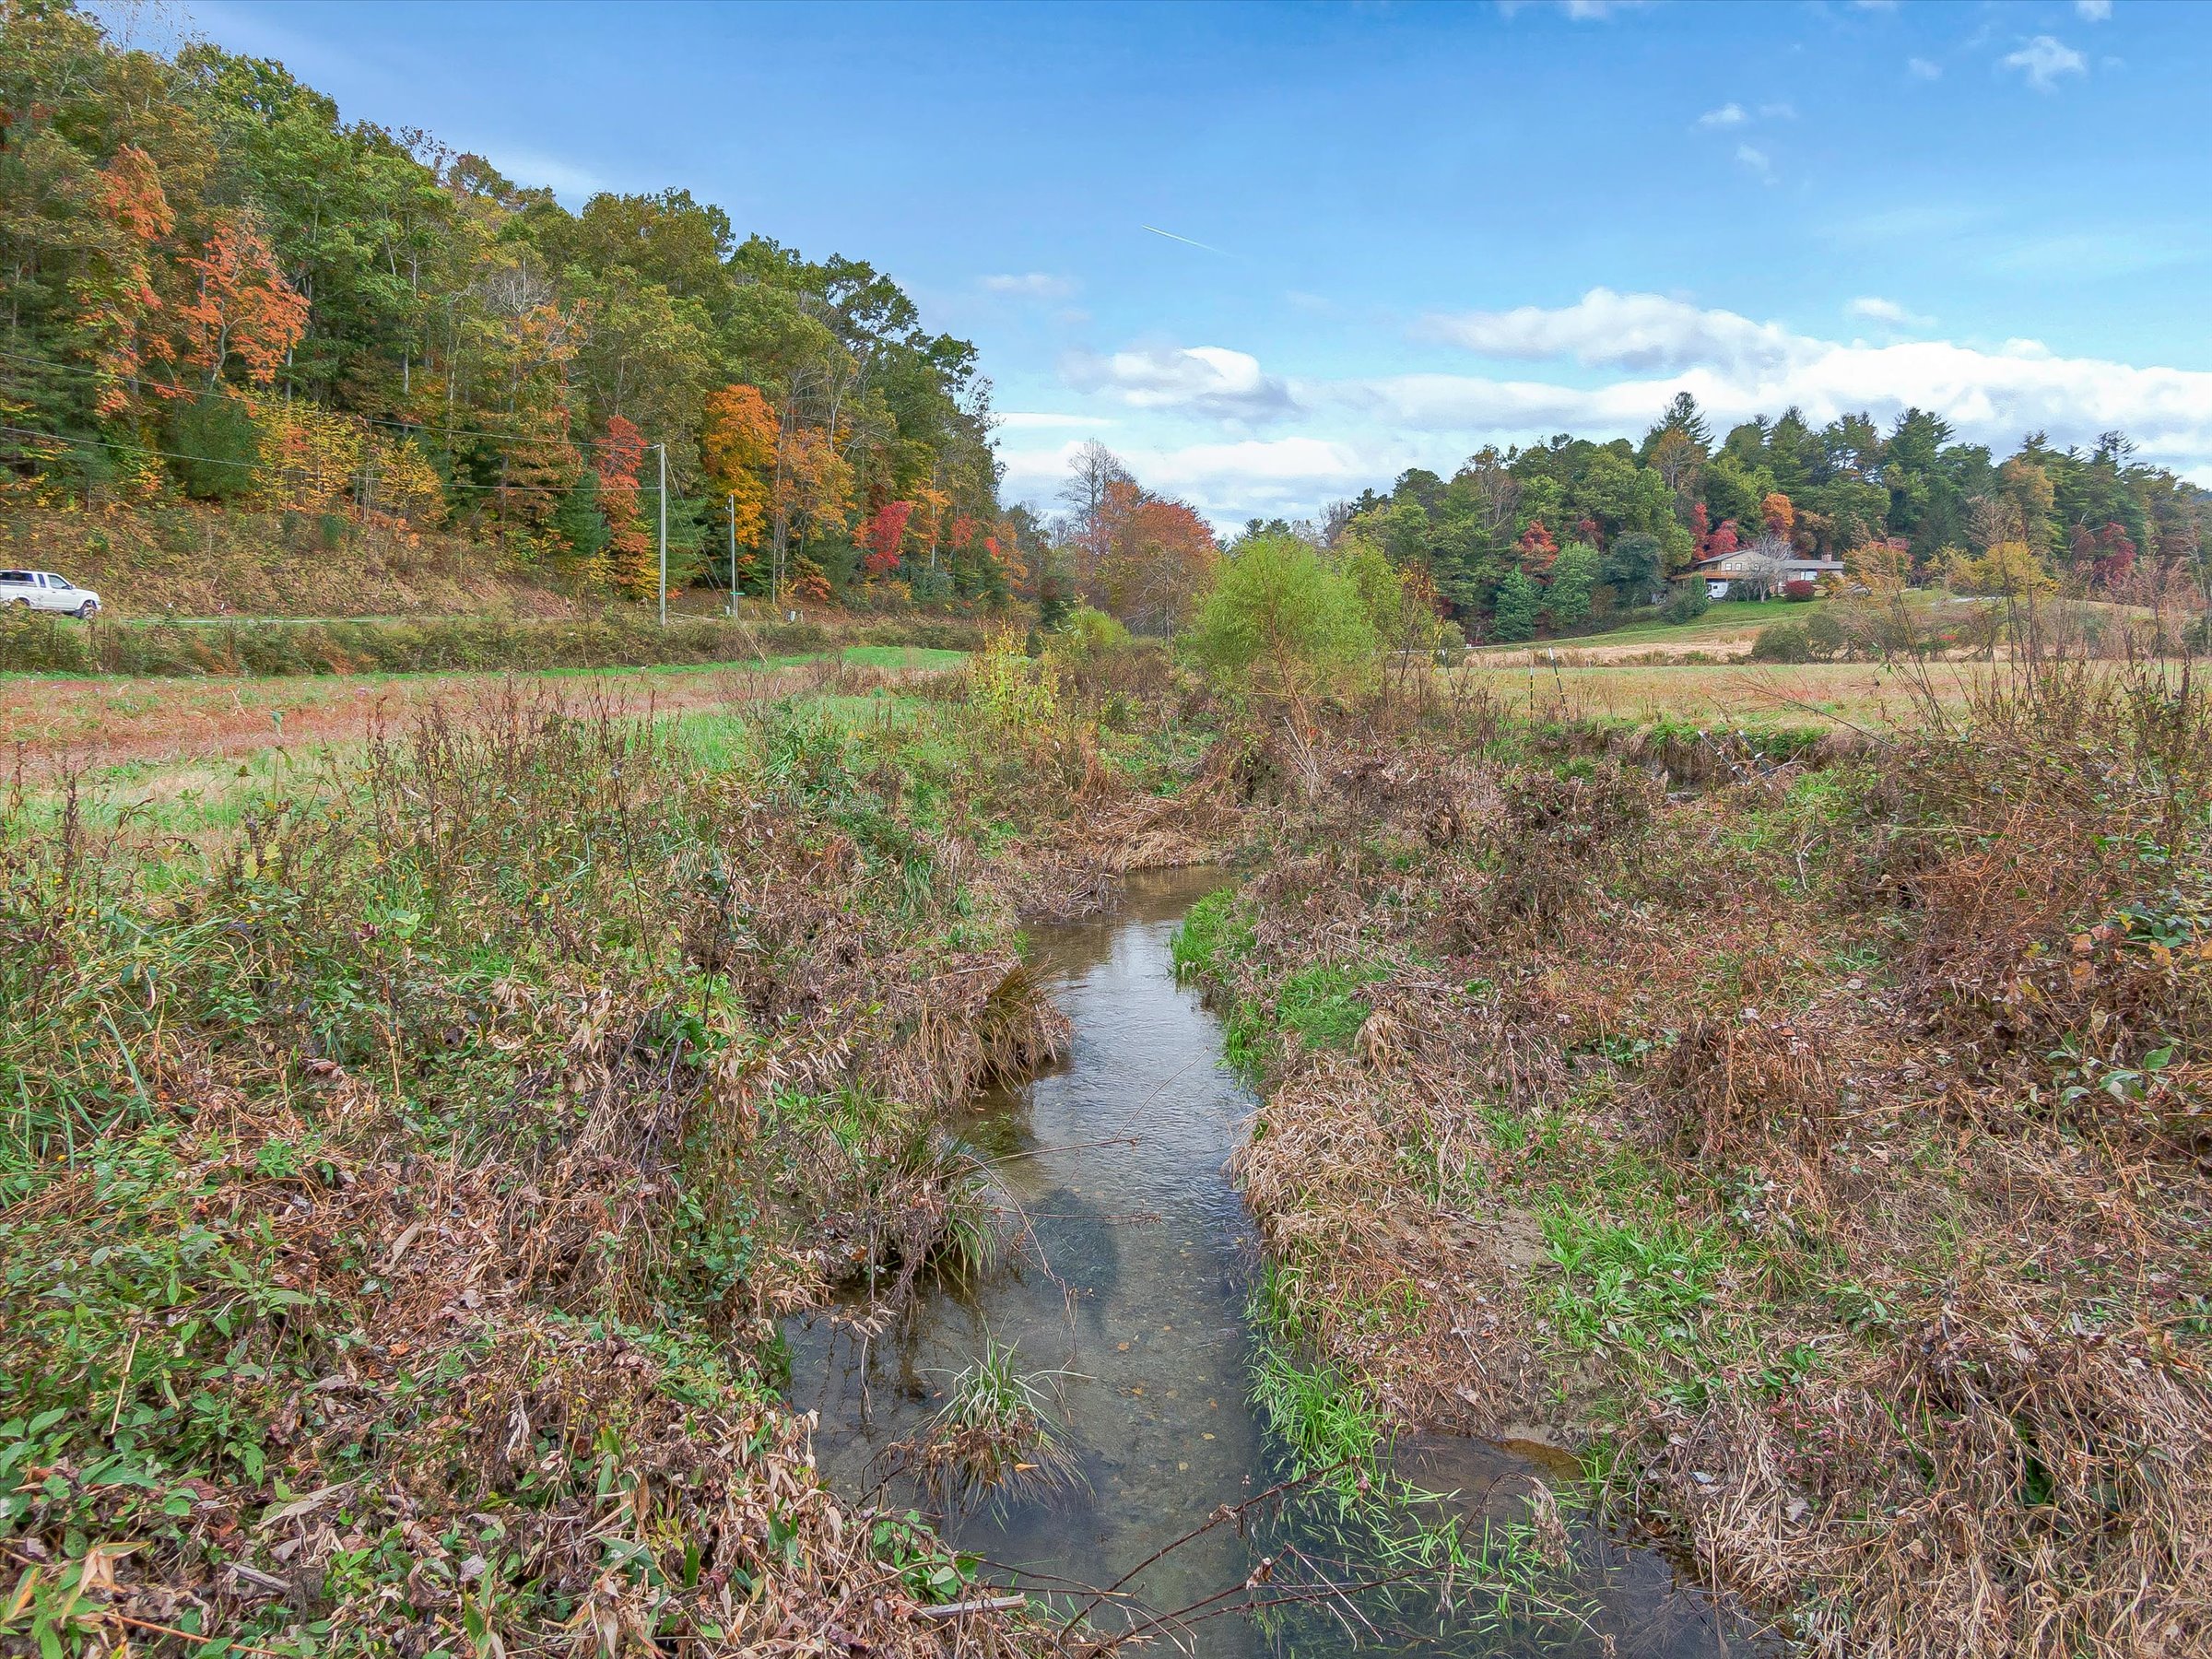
(1172, 237)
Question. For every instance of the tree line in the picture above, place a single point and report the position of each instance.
(216, 289)
(1561, 532)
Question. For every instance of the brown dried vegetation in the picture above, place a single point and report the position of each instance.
(1823, 1149)
(395, 1204)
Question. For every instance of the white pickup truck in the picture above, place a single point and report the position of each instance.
(43, 590)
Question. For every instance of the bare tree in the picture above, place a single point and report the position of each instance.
(1092, 472)
(1765, 564)
(1496, 490)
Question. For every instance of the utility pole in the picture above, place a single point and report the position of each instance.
(732, 552)
(664, 448)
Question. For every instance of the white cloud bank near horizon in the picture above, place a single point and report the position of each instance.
(1358, 432)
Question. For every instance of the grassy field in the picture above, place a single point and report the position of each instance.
(1818, 1149)
(1861, 696)
(103, 722)
(1726, 630)
(422, 1093)
(410, 1138)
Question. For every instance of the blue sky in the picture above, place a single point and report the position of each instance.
(1425, 226)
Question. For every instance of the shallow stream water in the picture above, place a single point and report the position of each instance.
(1131, 1293)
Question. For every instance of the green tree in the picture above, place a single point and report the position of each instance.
(1281, 627)
(1514, 611)
(1633, 567)
(1573, 577)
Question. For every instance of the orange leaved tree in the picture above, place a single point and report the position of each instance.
(738, 443)
(631, 555)
(240, 306)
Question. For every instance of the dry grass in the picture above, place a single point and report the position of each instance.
(422, 1172)
(1823, 1149)
(111, 722)
(1860, 696)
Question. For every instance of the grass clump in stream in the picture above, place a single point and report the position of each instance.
(992, 1438)
(1324, 1420)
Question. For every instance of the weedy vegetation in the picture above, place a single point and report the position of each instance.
(994, 1436)
(401, 1178)
(1815, 1138)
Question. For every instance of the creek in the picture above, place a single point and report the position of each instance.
(1131, 1293)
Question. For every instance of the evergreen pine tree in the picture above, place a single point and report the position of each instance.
(1513, 613)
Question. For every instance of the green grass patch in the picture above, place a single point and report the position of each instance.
(1643, 1289)
(1216, 932)
(1322, 1004)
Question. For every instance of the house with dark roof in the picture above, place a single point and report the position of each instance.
(1763, 565)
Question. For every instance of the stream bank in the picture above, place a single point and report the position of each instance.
(1126, 1308)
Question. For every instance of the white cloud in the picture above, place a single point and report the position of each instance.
(1753, 160)
(1733, 114)
(2043, 60)
(1876, 310)
(1034, 285)
(564, 178)
(1192, 380)
(1358, 432)
(1603, 329)
(1920, 68)
(2096, 255)
(1227, 482)
(1737, 367)
(2093, 11)
(1580, 11)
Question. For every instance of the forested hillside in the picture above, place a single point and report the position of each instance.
(217, 292)
(1564, 530)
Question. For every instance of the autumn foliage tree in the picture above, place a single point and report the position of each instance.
(2110, 554)
(631, 557)
(1779, 513)
(737, 443)
(1537, 549)
(119, 308)
(1157, 558)
(1144, 557)
(883, 536)
(240, 307)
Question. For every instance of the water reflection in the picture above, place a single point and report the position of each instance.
(1132, 1295)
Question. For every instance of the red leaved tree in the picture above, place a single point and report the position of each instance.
(882, 536)
(2112, 554)
(1537, 549)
